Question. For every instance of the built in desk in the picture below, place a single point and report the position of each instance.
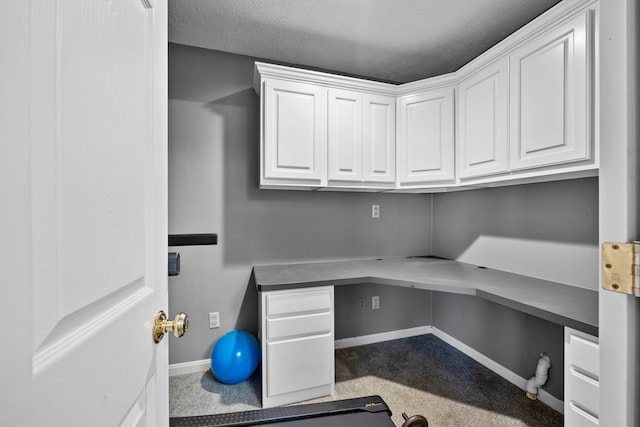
(307, 289)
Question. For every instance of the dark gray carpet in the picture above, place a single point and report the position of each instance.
(418, 375)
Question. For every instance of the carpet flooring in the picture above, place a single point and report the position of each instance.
(418, 375)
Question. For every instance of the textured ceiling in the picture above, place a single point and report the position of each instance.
(388, 40)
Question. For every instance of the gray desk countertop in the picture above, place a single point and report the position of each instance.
(556, 302)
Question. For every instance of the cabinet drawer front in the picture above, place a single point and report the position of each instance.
(576, 417)
(585, 392)
(299, 302)
(299, 364)
(585, 355)
(288, 327)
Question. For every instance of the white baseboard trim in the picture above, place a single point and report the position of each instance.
(513, 378)
(505, 373)
(189, 367)
(383, 336)
(204, 364)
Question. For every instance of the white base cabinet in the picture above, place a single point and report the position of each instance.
(581, 379)
(297, 344)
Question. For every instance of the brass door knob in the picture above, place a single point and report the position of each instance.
(162, 325)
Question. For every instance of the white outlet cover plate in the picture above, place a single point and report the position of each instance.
(214, 320)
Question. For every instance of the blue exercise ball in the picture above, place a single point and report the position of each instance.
(235, 357)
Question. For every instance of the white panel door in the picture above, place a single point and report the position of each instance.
(379, 137)
(95, 226)
(619, 221)
(550, 97)
(345, 136)
(294, 133)
(483, 122)
(426, 137)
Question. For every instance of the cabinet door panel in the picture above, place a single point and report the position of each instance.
(483, 122)
(543, 95)
(379, 139)
(345, 135)
(299, 364)
(424, 136)
(550, 97)
(294, 131)
(426, 146)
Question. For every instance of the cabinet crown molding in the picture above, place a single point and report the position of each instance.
(334, 81)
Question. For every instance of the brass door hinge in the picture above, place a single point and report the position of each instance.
(621, 267)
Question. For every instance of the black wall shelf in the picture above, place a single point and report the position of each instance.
(193, 239)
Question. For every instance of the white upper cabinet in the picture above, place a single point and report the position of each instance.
(379, 148)
(320, 130)
(550, 104)
(361, 139)
(293, 133)
(524, 111)
(426, 137)
(483, 122)
(345, 136)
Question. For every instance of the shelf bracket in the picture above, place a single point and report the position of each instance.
(621, 267)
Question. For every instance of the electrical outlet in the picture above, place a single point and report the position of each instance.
(362, 303)
(375, 211)
(375, 303)
(214, 320)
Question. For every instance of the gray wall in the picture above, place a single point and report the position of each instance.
(547, 230)
(213, 178)
(511, 338)
(400, 308)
